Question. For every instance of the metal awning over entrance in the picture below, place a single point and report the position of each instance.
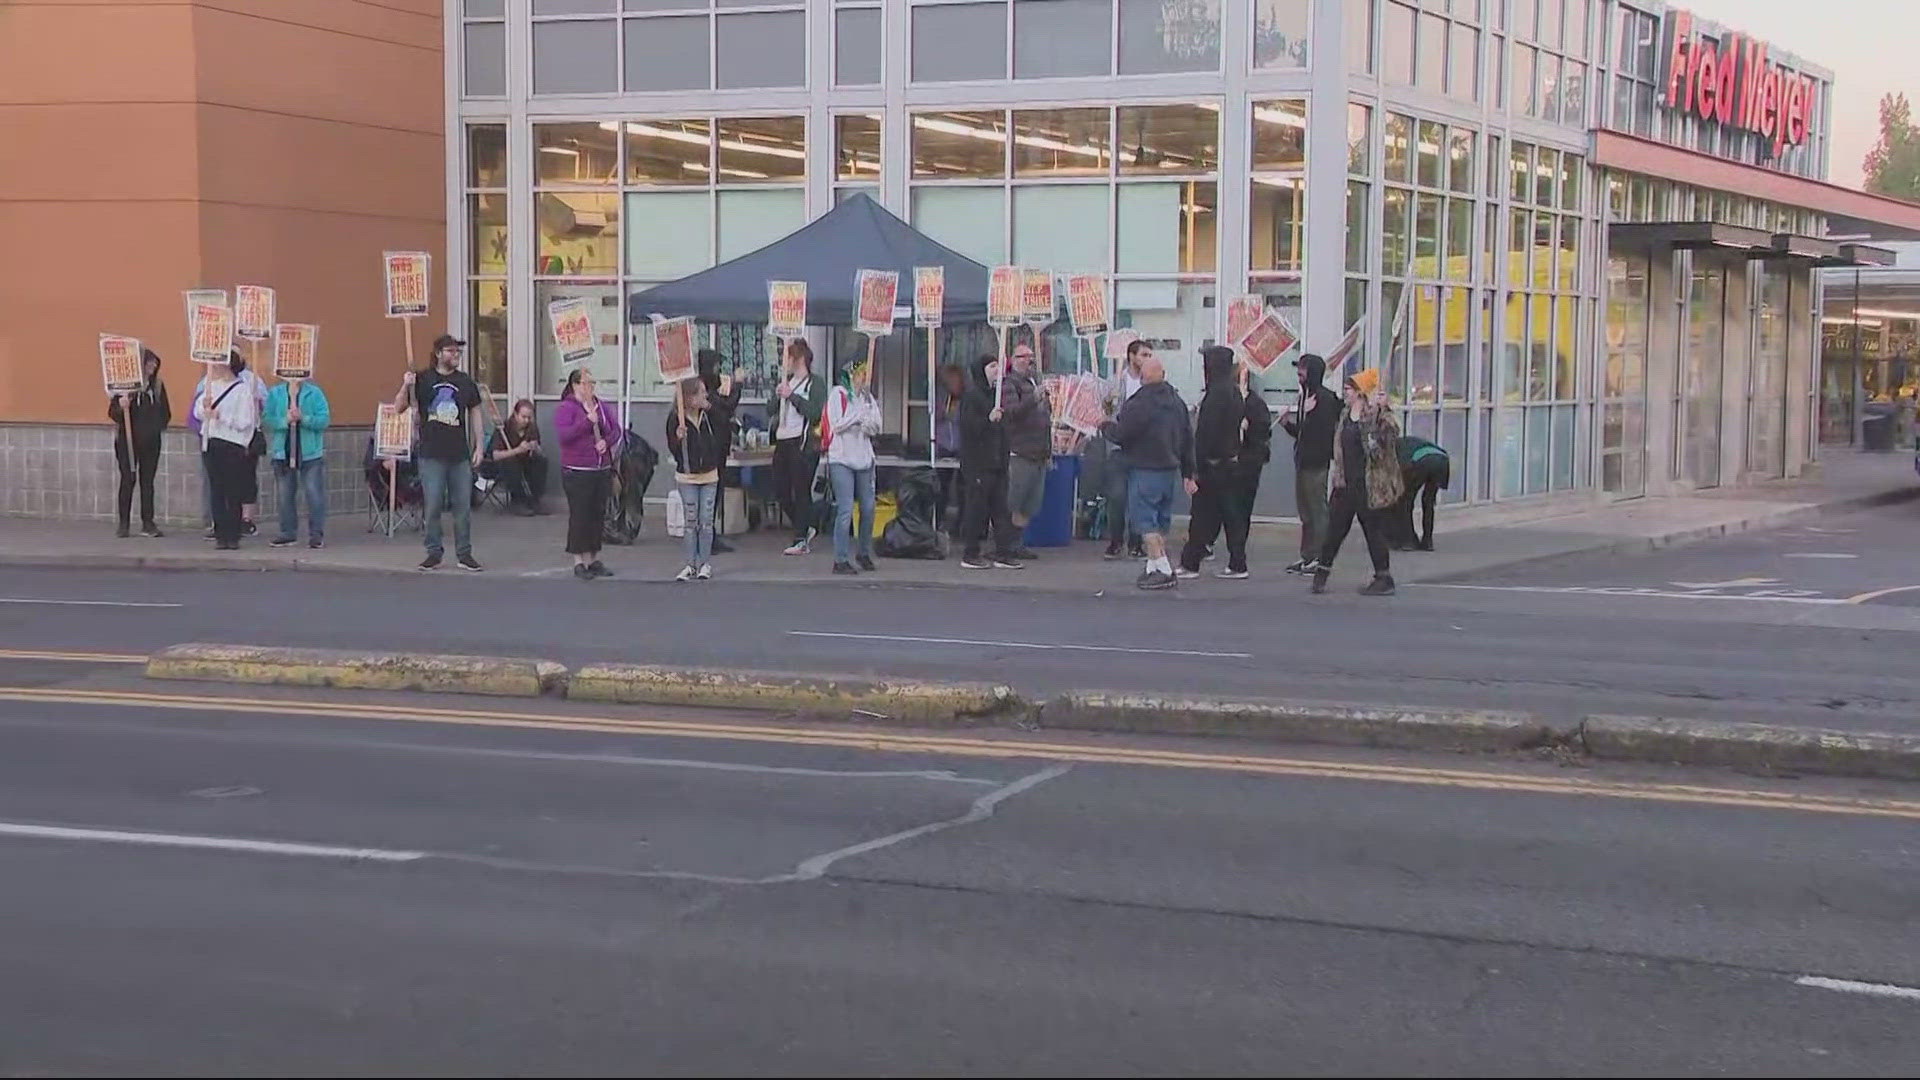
(1754, 243)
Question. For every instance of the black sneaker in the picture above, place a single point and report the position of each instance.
(1025, 554)
(1007, 562)
(520, 510)
(1299, 566)
(597, 569)
(431, 562)
(845, 568)
(1136, 552)
(1112, 553)
(1320, 581)
(248, 528)
(580, 571)
(122, 532)
(975, 562)
(866, 563)
(1381, 585)
(209, 533)
(283, 541)
(468, 562)
(317, 543)
(541, 509)
(151, 531)
(1230, 574)
(1156, 579)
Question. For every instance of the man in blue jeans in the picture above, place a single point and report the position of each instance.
(448, 448)
(1151, 428)
(296, 419)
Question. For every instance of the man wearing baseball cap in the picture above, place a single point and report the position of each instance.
(449, 448)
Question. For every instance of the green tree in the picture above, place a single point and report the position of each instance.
(1893, 165)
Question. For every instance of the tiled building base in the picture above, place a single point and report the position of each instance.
(67, 471)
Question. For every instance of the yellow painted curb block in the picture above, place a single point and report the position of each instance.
(494, 676)
(1387, 727)
(805, 694)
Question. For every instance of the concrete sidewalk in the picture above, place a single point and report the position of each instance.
(1470, 541)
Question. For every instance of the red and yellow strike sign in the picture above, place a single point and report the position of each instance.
(786, 308)
(120, 364)
(1242, 313)
(1087, 304)
(572, 328)
(929, 296)
(392, 432)
(210, 333)
(253, 311)
(407, 283)
(673, 348)
(1267, 341)
(1004, 295)
(878, 289)
(294, 345)
(1036, 305)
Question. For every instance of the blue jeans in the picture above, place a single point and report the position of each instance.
(699, 500)
(310, 478)
(447, 483)
(850, 484)
(1150, 494)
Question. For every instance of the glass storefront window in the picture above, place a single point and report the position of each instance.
(487, 334)
(1169, 35)
(1165, 228)
(1177, 317)
(1428, 150)
(1061, 226)
(1397, 142)
(769, 149)
(750, 220)
(487, 238)
(1395, 231)
(1359, 138)
(1360, 38)
(1168, 139)
(672, 234)
(1279, 136)
(1277, 224)
(669, 152)
(1062, 142)
(576, 154)
(579, 234)
(1280, 33)
(1459, 253)
(1426, 235)
(1460, 163)
(487, 156)
(760, 48)
(956, 145)
(1396, 43)
(856, 46)
(970, 220)
(667, 53)
(1061, 38)
(856, 142)
(959, 42)
(484, 59)
(604, 310)
(1359, 240)
(575, 57)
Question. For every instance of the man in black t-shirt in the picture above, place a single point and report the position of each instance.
(448, 449)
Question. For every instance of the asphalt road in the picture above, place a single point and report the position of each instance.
(194, 891)
(1786, 627)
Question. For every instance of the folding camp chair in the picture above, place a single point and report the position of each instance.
(409, 506)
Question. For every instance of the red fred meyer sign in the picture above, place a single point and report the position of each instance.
(1734, 83)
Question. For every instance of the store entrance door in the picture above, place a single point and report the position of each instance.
(1702, 367)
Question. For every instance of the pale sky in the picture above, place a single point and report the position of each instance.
(1867, 44)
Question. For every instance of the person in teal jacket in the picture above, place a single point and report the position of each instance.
(296, 430)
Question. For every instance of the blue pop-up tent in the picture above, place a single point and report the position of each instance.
(828, 255)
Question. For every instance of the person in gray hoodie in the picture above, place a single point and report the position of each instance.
(1029, 423)
(1151, 429)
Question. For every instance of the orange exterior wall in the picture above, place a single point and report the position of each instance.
(148, 147)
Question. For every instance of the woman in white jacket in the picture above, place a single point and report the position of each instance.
(229, 414)
(853, 419)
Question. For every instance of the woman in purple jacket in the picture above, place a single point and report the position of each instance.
(590, 438)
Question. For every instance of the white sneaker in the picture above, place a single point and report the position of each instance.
(706, 572)
(686, 574)
(1185, 574)
(798, 547)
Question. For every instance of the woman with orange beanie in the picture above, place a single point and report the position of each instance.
(1366, 479)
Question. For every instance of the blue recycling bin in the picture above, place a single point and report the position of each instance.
(1053, 526)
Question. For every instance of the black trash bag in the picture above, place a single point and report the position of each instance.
(632, 475)
(913, 534)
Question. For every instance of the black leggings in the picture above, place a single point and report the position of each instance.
(1221, 501)
(230, 470)
(793, 470)
(587, 492)
(145, 463)
(1347, 505)
(986, 507)
(1424, 479)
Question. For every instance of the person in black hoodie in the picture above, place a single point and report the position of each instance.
(709, 361)
(1312, 426)
(983, 474)
(1256, 449)
(1152, 430)
(151, 412)
(1218, 440)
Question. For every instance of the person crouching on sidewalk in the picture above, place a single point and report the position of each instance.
(1152, 430)
(1366, 480)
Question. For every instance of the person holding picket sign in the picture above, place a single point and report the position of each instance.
(590, 436)
(229, 417)
(296, 420)
(147, 413)
(698, 437)
(796, 442)
(853, 419)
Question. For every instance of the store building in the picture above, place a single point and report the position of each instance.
(1604, 217)
(1870, 353)
(147, 149)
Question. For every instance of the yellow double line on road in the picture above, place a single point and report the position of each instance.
(999, 748)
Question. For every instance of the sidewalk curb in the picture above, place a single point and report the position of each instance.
(827, 696)
(1466, 730)
(489, 675)
(1752, 747)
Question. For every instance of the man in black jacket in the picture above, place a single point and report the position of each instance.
(1312, 427)
(1029, 426)
(1219, 438)
(983, 474)
(1152, 430)
(708, 362)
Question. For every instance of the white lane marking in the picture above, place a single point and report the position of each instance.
(1735, 583)
(75, 657)
(83, 603)
(1630, 590)
(1849, 986)
(1019, 644)
(1820, 555)
(215, 843)
(982, 809)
